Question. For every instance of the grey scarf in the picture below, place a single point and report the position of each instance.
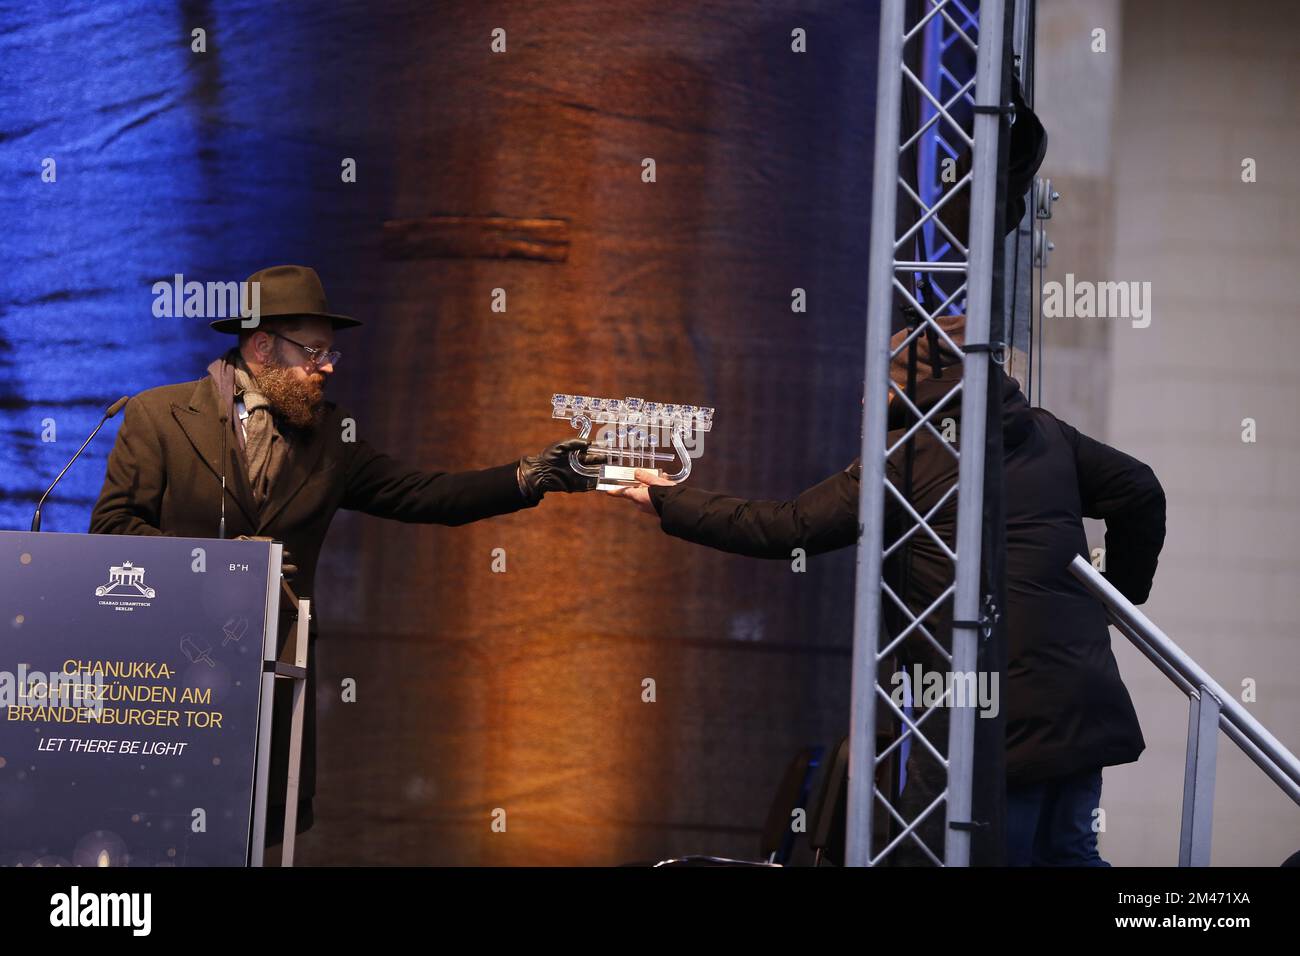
(265, 447)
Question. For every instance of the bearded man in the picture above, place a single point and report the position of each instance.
(253, 449)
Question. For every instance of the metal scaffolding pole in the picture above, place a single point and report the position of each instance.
(1019, 288)
(889, 257)
(871, 495)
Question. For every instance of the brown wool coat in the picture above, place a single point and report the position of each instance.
(164, 477)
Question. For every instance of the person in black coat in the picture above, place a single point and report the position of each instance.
(292, 459)
(1068, 713)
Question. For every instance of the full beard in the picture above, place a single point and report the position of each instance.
(298, 403)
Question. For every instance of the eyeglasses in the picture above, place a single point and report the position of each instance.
(315, 357)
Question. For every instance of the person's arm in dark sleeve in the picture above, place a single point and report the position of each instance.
(1126, 494)
(823, 518)
(130, 501)
(381, 486)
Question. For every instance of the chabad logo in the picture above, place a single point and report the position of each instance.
(125, 575)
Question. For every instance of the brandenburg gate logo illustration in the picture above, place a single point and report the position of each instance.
(124, 576)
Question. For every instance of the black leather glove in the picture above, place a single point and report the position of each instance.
(550, 471)
(288, 569)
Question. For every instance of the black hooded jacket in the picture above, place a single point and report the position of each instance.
(1067, 709)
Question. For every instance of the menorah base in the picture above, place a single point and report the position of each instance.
(613, 477)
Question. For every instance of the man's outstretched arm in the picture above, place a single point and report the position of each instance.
(379, 485)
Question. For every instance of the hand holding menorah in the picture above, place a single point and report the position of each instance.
(634, 434)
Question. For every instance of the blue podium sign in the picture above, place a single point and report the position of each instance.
(131, 686)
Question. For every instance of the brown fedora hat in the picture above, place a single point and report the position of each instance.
(288, 291)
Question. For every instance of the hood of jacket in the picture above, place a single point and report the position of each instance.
(938, 373)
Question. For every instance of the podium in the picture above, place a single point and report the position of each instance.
(137, 679)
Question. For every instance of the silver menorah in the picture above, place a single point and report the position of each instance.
(634, 434)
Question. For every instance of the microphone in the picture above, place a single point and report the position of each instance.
(221, 528)
(109, 413)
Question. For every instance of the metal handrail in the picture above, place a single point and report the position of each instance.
(1211, 708)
